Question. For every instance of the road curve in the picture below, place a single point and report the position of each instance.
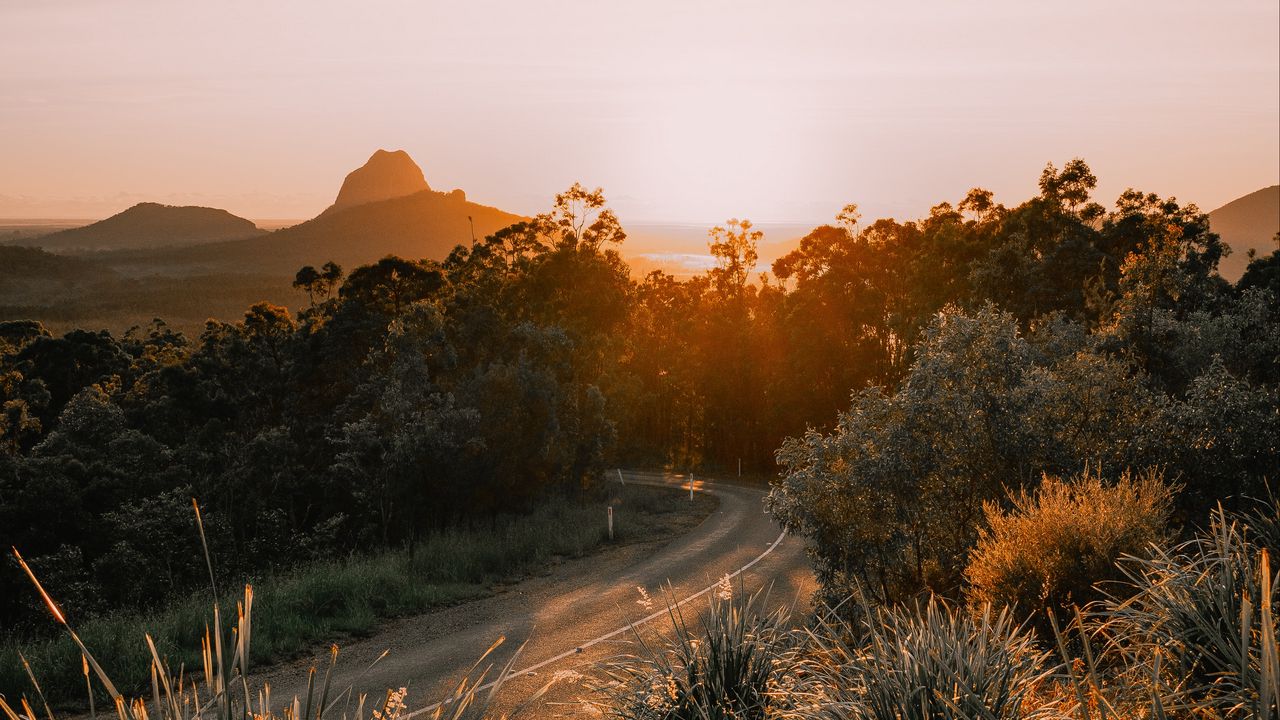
(574, 617)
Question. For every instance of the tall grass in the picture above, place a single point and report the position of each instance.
(743, 662)
(1200, 633)
(722, 667)
(1193, 634)
(927, 662)
(296, 610)
(217, 687)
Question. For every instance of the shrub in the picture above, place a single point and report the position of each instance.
(1054, 546)
(722, 670)
(930, 663)
(1200, 632)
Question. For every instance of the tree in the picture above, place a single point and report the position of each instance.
(1224, 439)
(317, 283)
(891, 499)
(581, 218)
(404, 445)
(1263, 272)
(330, 277)
(734, 246)
(64, 366)
(1071, 187)
(17, 334)
(16, 425)
(391, 284)
(655, 395)
(307, 280)
(981, 206)
(150, 542)
(846, 311)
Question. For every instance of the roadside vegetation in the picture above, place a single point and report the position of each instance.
(222, 691)
(1190, 632)
(1032, 450)
(328, 600)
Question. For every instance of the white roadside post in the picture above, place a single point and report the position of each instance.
(610, 523)
(690, 487)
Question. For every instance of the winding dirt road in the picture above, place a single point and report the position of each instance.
(575, 616)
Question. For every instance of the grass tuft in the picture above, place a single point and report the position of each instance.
(722, 667)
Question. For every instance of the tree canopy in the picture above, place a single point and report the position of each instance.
(898, 374)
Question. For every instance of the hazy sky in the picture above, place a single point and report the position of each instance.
(684, 111)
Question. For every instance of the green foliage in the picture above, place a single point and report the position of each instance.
(1225, 436)
(580, 220)
(328, 598)
(151, 546)
(391, 284)
(723, 667)
(734, 248)
(1058, 547)
(415, 397)
(224, 654)
(1199, 627)
(891, 499)
(1263, 272)
(921, 368)
(929, 662)
(318, 283)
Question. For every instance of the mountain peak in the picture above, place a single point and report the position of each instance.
(387, 175)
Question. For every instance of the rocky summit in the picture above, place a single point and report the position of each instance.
(386, 176)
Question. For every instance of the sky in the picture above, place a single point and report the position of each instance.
(689, 111)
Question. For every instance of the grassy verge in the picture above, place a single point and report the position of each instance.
(323, 602)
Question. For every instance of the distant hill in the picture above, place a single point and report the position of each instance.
(424, 224)
(185, 284)
(427, 224)
(149, 225)
(1248, 222)
(386, 176)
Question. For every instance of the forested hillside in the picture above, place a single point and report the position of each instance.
(899, 373)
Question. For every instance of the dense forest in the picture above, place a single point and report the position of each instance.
(69, 292)
(901, 376)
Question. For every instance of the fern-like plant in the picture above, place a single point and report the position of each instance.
(1200, 631)
(721, 667)
(930, 662)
